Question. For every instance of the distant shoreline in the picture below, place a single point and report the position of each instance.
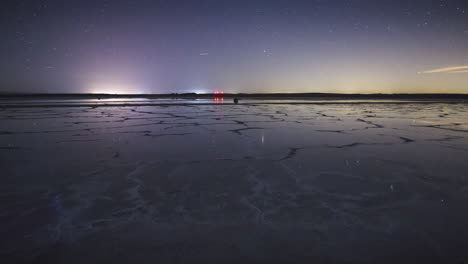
(135, 100)
(264, 96)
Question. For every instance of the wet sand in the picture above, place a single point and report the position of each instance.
(257, 182)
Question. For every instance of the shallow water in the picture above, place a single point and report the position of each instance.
(253, 182)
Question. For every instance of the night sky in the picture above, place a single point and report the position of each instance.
(377, 46)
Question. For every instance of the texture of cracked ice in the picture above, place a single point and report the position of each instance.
(285, 183)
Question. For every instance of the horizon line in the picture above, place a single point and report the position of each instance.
(220, 95)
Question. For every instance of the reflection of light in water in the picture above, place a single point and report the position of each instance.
(105, 88)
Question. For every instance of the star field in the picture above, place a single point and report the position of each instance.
(235, 46)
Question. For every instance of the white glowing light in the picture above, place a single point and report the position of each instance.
(107, 88)
(199, 91)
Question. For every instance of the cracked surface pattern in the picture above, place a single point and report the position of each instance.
(260, 183)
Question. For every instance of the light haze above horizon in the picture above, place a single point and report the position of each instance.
(157, 47)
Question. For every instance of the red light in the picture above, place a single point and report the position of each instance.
(218, 96)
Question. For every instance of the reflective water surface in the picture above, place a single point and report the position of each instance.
(224, 183)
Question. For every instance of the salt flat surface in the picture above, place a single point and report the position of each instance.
(266, 183)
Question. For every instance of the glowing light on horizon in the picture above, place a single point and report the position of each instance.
(200, 91)
(106, 88)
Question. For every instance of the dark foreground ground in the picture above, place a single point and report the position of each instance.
(246, 183)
